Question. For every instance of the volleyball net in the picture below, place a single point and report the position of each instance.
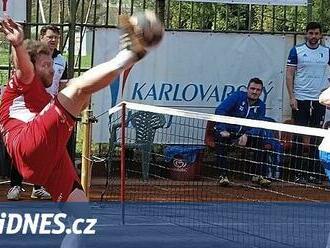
(262, 186)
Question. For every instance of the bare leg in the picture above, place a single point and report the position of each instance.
(79, 90)
(77, 195)
(76, 211)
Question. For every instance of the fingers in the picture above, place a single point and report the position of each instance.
(294, 107)
(5, 27)
(9, 26)
(13, 24)
(294, 104)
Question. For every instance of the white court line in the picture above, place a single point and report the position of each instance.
(211, 224)
(135, 224)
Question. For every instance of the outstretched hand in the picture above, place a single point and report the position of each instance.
(13, 31)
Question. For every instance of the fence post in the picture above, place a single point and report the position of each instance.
(71, 34)
(160, 6)
(309, 11)
(27, 27)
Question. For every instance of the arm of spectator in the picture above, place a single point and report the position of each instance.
(290, 72)
(225, 108)
(262, 112)
(260, 116)
(21, 59)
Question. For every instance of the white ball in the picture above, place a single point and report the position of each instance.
(148, 27)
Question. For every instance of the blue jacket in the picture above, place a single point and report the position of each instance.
(236, 105)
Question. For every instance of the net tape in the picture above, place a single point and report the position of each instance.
(223, 119)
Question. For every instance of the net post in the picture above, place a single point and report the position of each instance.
(122, 164)
(86, 151)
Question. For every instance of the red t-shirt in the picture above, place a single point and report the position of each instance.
(22, 102)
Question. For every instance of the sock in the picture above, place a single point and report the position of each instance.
(123, 60)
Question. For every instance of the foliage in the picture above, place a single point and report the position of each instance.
(190, 15)
(233, 17)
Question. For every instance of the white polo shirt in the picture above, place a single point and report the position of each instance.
(311, 74)
(59, 65)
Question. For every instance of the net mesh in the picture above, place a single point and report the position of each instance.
(177, 164)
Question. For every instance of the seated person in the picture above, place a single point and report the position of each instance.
(243, 105)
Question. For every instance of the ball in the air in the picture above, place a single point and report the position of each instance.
(148, 27)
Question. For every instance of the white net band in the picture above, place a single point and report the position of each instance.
(224, 119)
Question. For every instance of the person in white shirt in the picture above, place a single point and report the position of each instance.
(305, 78)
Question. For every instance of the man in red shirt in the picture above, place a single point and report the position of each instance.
(36, 127)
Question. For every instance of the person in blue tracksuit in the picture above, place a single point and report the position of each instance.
(243, 105)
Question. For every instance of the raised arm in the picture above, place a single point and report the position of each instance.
(21, 59)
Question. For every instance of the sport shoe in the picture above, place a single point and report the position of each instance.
(14, 193)
(263, 182)
(130, 39)
(314, 180)
(223, 181)
(41, 194)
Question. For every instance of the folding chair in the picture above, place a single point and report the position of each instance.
(145, 125)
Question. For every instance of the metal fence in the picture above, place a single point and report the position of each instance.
(80, 18)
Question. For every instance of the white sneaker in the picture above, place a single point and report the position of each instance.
(14, 193)
(223, 181)
(263, 182)
(41, 194)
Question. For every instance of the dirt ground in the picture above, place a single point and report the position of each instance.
(194, 191)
